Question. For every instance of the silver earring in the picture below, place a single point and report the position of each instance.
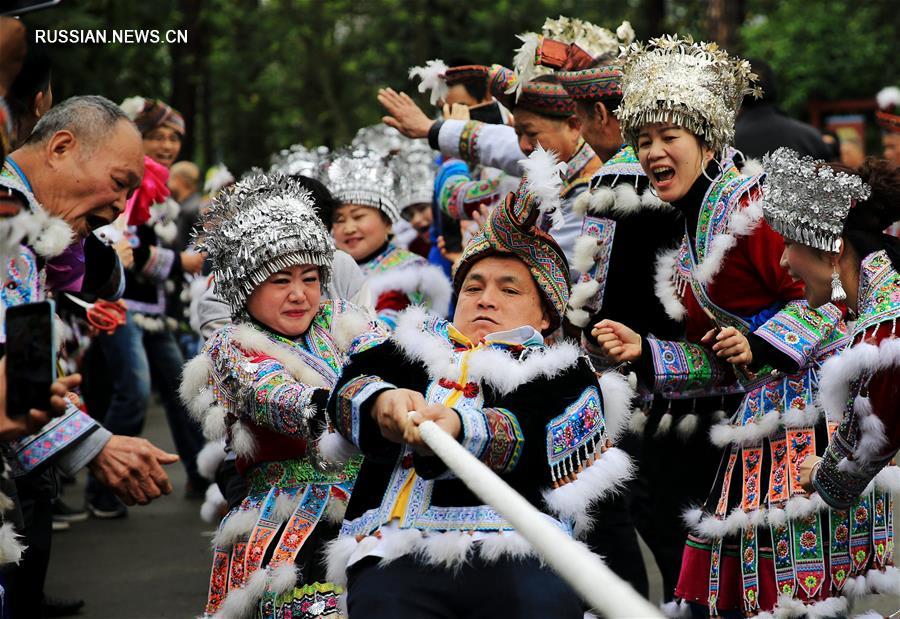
(837, 289)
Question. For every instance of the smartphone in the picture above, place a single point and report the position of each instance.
(30, 357)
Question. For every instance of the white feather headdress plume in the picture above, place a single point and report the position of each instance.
(888, 97)
(542, 175)
(432, 79)
(132, 106)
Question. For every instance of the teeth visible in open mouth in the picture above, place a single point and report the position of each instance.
(663, 173)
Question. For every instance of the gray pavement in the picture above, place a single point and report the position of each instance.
(155, 563)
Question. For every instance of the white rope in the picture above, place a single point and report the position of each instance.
(582, 569)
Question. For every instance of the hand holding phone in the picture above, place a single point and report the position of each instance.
(11, 429)
(30, 357)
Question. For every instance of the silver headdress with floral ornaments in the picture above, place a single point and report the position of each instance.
(257, 226)
(416, 169)
(693, 85)
(299, 161)
(807, 201)
(360, 175)
(594, 40)
(381, 138)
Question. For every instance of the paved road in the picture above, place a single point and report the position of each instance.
(155, 563)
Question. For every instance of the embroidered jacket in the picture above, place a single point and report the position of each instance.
(398, 278)
(533, 413)
(861, 390)
(497, 146)
(24, 278)
(266, 394)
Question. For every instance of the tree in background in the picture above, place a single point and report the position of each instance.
(259, 75)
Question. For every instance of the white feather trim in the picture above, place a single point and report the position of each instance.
(665, 285)
(628, 202)
(54, 237)
(601, 200)
(801, 507)
(742, 223)
(492, 366)
(243, 443)
(651, 200)
(888, 478)
(349, 325)
(582, 292)
(194, 379)
(665, 425)
(213, 504)
(888, 97)
(166, 231)
(209, 458)
(583, 254)
(428, 280)
(335, 448)
(885, 582)
(790, 608)
(337, 555)
(241, 603)
(432, 79)
(335, 510)
(238, 525)
(580, 206)
(523, 61)
(449, 549)
(504, 544)
(542, 171)
(752, 167)
(285, 504)
(802, 417)
(606, 476)
(753, 432)
(676, 609)
(578, 317)
(638, 421)
(709, 527)
(132, 106)
(869, 614)
(10, 548)
(221, 177)
(214, 424)
(283, 578)
(687, 426)
(617, 397)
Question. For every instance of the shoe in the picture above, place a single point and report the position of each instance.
(61, 525)
(61, 607)
(66, 513)
(106, 506)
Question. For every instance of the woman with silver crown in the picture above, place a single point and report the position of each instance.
(832, 220)
(364, 182)
(748, 330)
(261, 383)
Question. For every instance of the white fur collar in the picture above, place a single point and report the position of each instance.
(492, 366)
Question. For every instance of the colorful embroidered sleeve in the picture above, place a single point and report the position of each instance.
(54, 438)
(275, 399)
(493, 435)
(840, 484)
(573, 435)
(459, 195)
(797, 330)
(350, 398)
(479, 143)
(683, 368)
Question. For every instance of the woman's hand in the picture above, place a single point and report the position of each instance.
(807, 469)
(619, 343)
(729, 344)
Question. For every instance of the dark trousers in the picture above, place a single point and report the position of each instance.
(24, 582)
(508, 588)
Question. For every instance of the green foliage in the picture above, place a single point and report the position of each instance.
(825, 50)
(259, 75)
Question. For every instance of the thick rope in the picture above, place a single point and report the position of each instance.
(582, 569)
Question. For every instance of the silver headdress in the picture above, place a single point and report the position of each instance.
(694, 85)
(381, 138)
(360, 175)
(257, 226)
(416, 170)
(808, 202)
(299, 160)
